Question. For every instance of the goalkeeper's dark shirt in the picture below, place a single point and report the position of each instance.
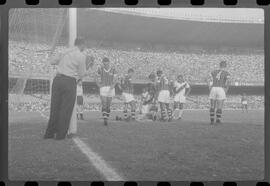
(107, 77)
(127, 85)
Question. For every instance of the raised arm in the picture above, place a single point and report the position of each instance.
(227, 83)
(188, 89)
(97, 76)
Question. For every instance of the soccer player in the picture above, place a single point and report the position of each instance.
(80, 100)
(218, 85)
(106, 80)
(164, 96)
(244, 102)
(127, 92)
(181, 91)
(149, 108)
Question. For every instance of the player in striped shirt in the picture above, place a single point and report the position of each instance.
(127, 92)
(106, 80)
(163, 87)
(218, 85)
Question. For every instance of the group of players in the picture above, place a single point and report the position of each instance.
(157, 95)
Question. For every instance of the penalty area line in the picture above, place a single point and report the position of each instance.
(105, 169)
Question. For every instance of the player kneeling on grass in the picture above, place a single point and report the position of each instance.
(244, 102)
(218, 85)
(80, 100)
(106, 80)
(181, 90)
(148, 107)
(164, 96)
(127, 92)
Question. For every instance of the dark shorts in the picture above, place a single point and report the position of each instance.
(79, 100)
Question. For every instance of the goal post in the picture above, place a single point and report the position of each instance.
(72, 12)
(34, 34)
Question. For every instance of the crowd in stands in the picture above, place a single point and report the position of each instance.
(32, 59)
(41, 103)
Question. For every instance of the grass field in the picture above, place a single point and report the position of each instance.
(189, 149)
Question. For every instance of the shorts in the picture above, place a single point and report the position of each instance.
(107, 91)
(128, 97)
(145, 109)
(244, 103)
(164, 96)
(217, 93)
(79, 100)
(179, 98)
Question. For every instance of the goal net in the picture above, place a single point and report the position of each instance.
(34, 34)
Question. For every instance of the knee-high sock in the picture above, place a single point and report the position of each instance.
(169, 110)
(133, 113)
(212, 114)
(163, 111)
(125, 114)
(218, 114)
(104, 113)
(108, 112)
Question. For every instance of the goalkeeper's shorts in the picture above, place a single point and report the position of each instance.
(107, 91)
(164, 96)
(128, 97)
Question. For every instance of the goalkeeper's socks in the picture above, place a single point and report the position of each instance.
(125, 114)
(133, 114)
(169, 111)
(163, 114)
(212, 115)
(218, 115)
(108, 112)
(104, 113)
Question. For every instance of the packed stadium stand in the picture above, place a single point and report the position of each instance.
(245, 67)
(188, 44)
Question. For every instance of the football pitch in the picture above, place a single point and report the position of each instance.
(189, 149)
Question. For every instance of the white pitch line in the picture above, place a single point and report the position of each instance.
(106, 170)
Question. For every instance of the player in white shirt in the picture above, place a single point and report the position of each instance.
(80, 100)
(181, 91)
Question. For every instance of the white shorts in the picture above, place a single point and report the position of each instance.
(179, 98)
(217, 93)
(244, 102)
(145, 109)
(128, 97)
(107, 91)
(164, 96)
